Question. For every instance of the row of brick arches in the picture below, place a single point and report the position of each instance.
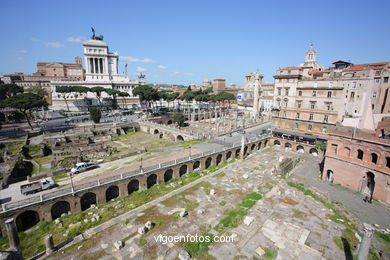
(299, 148)
(29, 218)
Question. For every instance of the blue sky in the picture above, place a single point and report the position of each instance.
(182, 42)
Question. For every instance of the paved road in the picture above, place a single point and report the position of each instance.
(352, 201)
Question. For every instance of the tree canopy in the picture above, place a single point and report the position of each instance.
(9, 90)
(25, 103)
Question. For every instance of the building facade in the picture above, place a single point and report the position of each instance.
(310, 100)
(360, 159)
(101, 71)
(61, 70)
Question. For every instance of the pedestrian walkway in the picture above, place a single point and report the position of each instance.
(352, 201)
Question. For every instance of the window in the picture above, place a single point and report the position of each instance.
(286, 91)
(285, 103)
(360, 154)
(314, 93)
(297, 116)
(374, 158)
(388, 162)
(289, 72)
(324, 129)
(296, 125)
(329, 94)
(377, 81)
(352, 96)
(284, 114)
(331, 84)
(347, 152)
(315, 84)
(300, 93)
(311, 117)
(374, 94)
(312, 105)
(309, 127)
(386, 80)
(334, 148)
(299, 104)
(326, 118)
(353, 85)
(329, 106)
(279, 91)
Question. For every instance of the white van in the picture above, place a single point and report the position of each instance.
(83, 166)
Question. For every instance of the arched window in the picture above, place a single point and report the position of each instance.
(360, 154)
(374, 158)
(388, 162)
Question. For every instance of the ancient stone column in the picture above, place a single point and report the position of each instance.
(242, 147)
(12, 235)
(364, 246)
(49, 244)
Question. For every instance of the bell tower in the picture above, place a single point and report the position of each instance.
(310, 54)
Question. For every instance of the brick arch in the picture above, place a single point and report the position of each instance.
(59, 208)
(218, 159)
(168, 175)
(208, 162)
(27, 219)
(183, 169)
(253, 147)
(237, 153)
(259, 146)
(196, 165)
(300, 149)
(179, 138)
(112, 192)
(313, 151)
(288, 146)
(228, 155)
(132, 186)
(87, 200)
(151, 180)
(277, 142)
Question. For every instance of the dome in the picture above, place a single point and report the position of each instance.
(95, 43)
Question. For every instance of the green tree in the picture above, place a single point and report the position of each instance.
(78, 91)
(64, 90)
(114, 93)
(38, 91)
(24, 103)
(146, 94)
(179, 118)
(171, 97)
(123, 95)
(98, 93)
(9, 90)
(95, 114)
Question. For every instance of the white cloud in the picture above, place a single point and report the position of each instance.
(19, 58)
(140, 69)
(188, 74)
(22, 51)
(75, 39)
(175, 73)
(162, 67)
(34, 39)
(54, 44)
(132, 59)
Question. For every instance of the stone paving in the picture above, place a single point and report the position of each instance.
(285, 221)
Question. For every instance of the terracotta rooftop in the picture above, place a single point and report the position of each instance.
(319, 72)
(291, 68)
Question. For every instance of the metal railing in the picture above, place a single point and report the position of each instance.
(113, 179)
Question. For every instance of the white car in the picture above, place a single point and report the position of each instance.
(83, 166)
(123, 119)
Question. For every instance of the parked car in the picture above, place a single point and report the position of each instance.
(83, 166)
(241, 131)
(36, 186)
(123, 119)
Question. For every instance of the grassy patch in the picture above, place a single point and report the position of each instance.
(222, 203)
(269, 254)
(60, 177)
(200, 248)
(221, 174)
(297, 213)
(383, 236)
